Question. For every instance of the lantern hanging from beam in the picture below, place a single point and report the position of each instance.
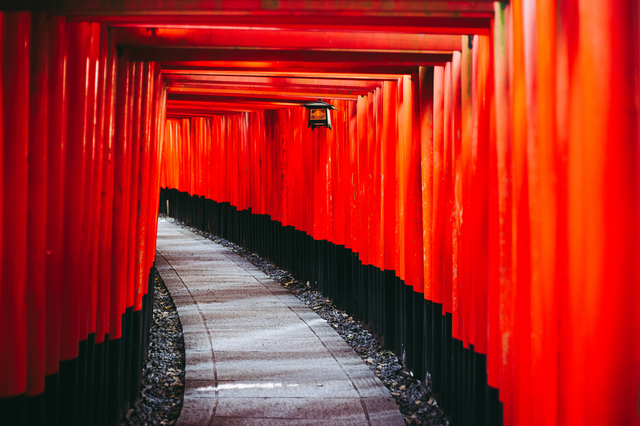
(319, 115)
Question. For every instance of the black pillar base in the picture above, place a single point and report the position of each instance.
(97, 387)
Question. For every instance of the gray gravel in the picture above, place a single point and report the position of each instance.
(162, 386)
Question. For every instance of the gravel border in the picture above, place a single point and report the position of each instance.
(416, 404)
(162, 388)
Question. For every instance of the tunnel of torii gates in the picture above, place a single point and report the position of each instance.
(475, 204)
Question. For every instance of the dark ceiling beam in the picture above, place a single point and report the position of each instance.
(217, 109)
(211, 106)
(435, 25)
(249, 100)
(395, 16)
(269, 88)
(260, 93)
(189, 69)
(203, 107)
(225, 101)
(281, 58)
(390, 72)
(334, 7)
(210, 111)
(286, 39)
(443, 26)
(272, 81)
(179, 115)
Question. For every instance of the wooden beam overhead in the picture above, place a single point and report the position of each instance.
(260, 7)
(250, 88)
(278, 59)
(286, 39)
(190, 69)
(274, 94)
(272, 81)
(231, 98)
(392, 16)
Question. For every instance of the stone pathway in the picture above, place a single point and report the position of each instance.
(255, 354)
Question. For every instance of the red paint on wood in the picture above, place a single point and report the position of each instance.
(15, 33)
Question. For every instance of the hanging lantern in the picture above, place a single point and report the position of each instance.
(319, 115)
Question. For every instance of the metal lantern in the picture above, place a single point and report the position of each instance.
(319, 115)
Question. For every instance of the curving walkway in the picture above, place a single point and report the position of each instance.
(255, 354)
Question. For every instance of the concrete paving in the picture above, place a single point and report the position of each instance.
(255, 354)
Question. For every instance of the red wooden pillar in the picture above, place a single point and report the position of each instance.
(181, 150)
(304, 151)
(157, 149)
(248, 158)
(494, 348)
(121, 155)
(272, 202)
(467, 213)
(137, 120)
(544, 213)
(101, 164)
(438, 202)
(174, 143)
(426, 102)
(455, 195)
(351, 189)
(170, 153)
(319, 182)
(413, 210)
(263, 160)
(164, 165)
(377, 211)
(401, 179)
(504, 162)
(106, 255)
(206, 154)
(226, 162)
(187, 165)
(524, 109)
(370, 177)
(54, 191)
(602, 210)
(480, 192)
(446, 191)
(253, 141)
(92, 174)
(339, 166)
(75, 174)
(157, 161)
(162, 141)
(191, 167)
(196, 125)
(361, 212)
(14, 80)
(37, 211)
(142, 198)
(234, 159)
(330, 141)
(277, 165)
(209, 155)
(231, 159)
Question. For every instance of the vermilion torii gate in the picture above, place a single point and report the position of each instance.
(483, 163)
